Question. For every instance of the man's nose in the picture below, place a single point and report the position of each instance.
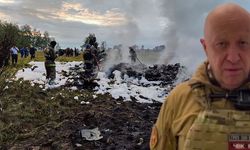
(233, 54)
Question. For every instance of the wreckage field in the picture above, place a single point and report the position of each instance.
(117, 111)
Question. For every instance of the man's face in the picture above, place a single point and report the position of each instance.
(227, 46)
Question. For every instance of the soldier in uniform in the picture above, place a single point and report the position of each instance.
(50, 66)
(211, 111)
(133, 55)
(91, 40)
(90, 62)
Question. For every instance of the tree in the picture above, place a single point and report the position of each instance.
(25, 38)
(36, 38)
(9, 34)
(46, 39)
(41, 40)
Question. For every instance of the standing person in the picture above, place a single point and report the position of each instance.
(50, 65)
(22, 52)
(91, 39)
(14, 54)
(211, 110)
(133, 55)
(32, 52)
(90, 62)
(26, 52)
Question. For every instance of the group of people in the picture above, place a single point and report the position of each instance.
(90, 57)
(24, 51)
(211, 111)
(68, 52)
(91, 61)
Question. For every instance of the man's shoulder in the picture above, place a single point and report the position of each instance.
(183, 98)
(182, 88)
(181, 93)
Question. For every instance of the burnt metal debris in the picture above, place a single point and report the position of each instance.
(166, 74)
(77, 77)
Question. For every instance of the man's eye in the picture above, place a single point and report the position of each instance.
(221, 44)
(244, 42)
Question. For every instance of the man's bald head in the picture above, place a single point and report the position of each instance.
(224, 15)
(227, 45)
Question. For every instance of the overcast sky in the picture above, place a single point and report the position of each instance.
(178, 24)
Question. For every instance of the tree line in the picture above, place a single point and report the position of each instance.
(21, 36)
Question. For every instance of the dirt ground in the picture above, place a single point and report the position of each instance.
(34, 119)
(123, 126)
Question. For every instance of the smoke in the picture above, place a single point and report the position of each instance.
(185, 24)
(182, 24)
(120, 53)
(169, 11)
(172, 42)
(125, 36)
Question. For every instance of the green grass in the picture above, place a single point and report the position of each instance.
(40, 57)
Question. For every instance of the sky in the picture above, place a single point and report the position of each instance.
(177, 24)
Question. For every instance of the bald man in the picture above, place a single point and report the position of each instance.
(212, 109)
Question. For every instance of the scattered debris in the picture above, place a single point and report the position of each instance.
(33, 68)
(76, 98)
(91, 134)
(121, 124)
(83, 102)
(5, 88)
(78, 145)
(164, 73)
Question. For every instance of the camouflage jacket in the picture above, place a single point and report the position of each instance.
(180, 110)
(49, 54)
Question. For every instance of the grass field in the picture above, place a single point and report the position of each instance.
(26, 111)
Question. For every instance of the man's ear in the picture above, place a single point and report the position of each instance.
(203, 43)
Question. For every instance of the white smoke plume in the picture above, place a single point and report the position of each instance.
(184, 29)
(126, 36)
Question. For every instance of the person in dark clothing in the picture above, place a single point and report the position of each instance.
(90, 62)
(132, 54)
(26, 52)
(50, 66)
(76, 52)
(32, 52)
(22, 52)
(91, 40)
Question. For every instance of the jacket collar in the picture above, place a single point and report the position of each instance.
(204, 76)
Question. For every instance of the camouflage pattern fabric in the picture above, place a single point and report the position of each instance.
(50, 65)
(219, 130)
